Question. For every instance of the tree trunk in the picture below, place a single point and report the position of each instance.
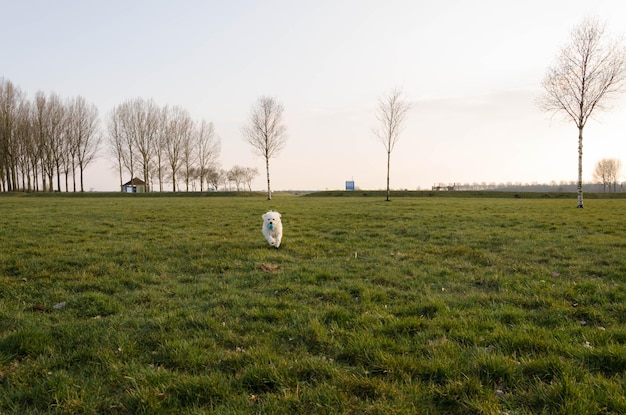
(58, 178)
(580, 167)
(388, 166)
(267, 169)
(43, 180)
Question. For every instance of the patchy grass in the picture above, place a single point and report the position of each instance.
(132, 305)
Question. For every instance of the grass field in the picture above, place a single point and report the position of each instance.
(129, 305)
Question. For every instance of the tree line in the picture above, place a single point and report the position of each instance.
(47, 143)
(607, 173)
(45, 140)
(163, 145)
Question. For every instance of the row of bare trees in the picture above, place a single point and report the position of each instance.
(163, 145)
(241, 177)
(45, 141)
(608, 172)
(237, 178)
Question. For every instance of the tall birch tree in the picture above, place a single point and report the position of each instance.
(588, 71)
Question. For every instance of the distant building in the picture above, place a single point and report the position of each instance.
(449, 187)
(136, 185)
(350, 185)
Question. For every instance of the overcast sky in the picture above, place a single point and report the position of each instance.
(471, 70)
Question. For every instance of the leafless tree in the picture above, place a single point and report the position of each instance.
(40, 127)
(222, 177)
(25, 142)
(180, 127)
(10, 99)
(265, 132)
(242, 177)
(608, 172)
(51, 116)
(249, 174)
(189, 156)
(214, 177)
(140, 122)
(391, 115)
(193, 175)
(588, 71)
(236, 175)
(116, 141)
(84, 136)
(68, 148)
(133, 128)
(159, 153)
(208, 150)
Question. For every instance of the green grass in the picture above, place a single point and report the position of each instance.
(422, 305)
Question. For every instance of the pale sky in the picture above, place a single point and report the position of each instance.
(471, 70)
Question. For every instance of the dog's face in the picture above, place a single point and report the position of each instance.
(271, 219)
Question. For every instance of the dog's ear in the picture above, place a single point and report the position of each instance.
(263, 216)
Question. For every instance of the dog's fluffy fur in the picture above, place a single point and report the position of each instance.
(272, 228)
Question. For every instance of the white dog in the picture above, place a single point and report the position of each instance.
(272, 228)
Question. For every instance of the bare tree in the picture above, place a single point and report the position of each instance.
(214, 177)
(189, 156)
(87, 138)
(180, 127)
(607, 172)
(68, 147)
(588, 71)
(265, 132)
(159, 153)
(242, 177)
(140, 121)
(50, 130)
(208, 148)
(222, 179)
(601, 174)
(116, 141)
(40, 132)
(25, 141)
(391, 115)
(236, 175)
(10, 99)
(249, 174)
